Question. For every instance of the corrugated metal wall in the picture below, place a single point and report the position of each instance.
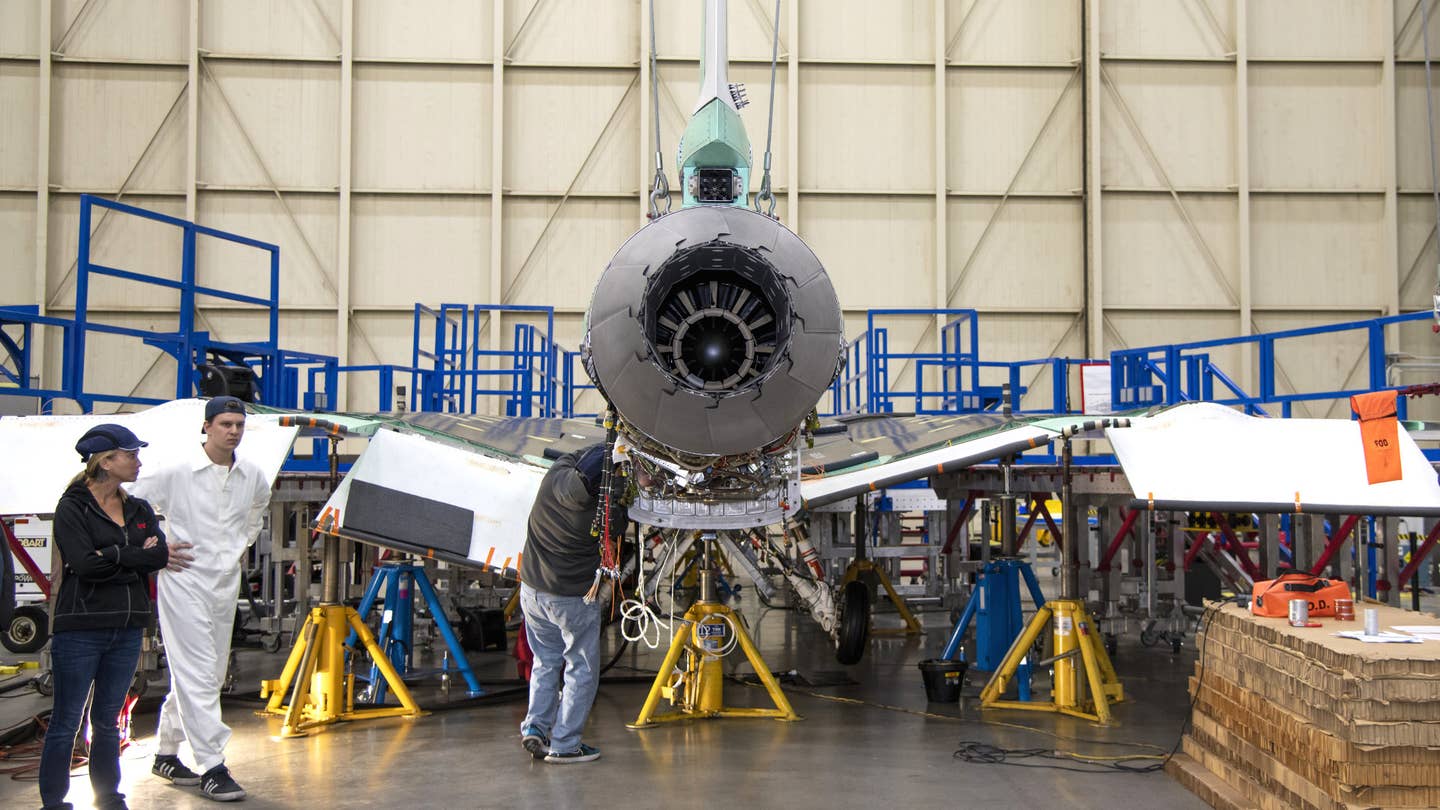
(1252, 164)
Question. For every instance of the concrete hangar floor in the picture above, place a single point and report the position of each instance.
(868, 736)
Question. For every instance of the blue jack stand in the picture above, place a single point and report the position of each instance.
(398, 623)
(995, 607)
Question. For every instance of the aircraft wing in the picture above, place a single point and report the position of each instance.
(1208, 456)
(875, 452)
(40, 456)
(451, 487)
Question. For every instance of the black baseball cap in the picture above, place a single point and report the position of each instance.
(106, 437)
(220, 405)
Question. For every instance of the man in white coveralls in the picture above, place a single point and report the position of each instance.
(214, 500)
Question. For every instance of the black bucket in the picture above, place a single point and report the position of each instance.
(943, 679)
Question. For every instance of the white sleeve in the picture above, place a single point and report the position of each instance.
(155, 489)
(259, 503)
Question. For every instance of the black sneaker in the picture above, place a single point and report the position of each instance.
(585, 753)
(535, 741)
(216, 784)
(169, 766)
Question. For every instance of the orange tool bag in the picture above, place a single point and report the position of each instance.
(1271, 597)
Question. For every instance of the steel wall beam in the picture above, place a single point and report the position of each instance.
(1390, 233)
(1094, 254)
(501, 55)
(941, 295)
(792, 113)
(191, 94)
(42, 188)
(343, 314)
(1242, 184)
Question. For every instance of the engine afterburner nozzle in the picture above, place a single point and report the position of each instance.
(714, 331)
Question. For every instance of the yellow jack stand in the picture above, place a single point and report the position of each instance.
(1074, 636)
(912, 625)
(323, 691)
(700, 689)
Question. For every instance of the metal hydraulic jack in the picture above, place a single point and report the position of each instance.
(995, 605)
(316, 679)
(862, 567)
(397, 628)
(708, 632)
(1079, 648)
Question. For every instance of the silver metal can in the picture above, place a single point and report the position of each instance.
(1372, 622)
(1299, 612)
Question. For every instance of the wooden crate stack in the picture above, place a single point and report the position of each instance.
(1289, 717)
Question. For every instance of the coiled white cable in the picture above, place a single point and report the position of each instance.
(643, 617)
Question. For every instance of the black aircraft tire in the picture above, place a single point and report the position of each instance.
(28, 631)
(854, 623)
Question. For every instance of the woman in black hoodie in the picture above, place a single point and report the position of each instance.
(110, 544)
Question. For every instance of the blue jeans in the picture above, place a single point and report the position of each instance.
(79, 659)
(564, 634)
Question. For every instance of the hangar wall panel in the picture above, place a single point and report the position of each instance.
(1291, 105)
(306, 241)
(20, 35)
(1166, 28)
(422, 127)
(271, 28)
(135, 29)
(17, 234)
(1034, 243)
(1014, 32)
(1322, 251)
(571, 130)
(424, 30)
(601, 32)
(1154, 260)
(1168, 124)
(1417, 251)
(872, 128)
(1258, 195)
(419, 248)
(113, 122)
(877, 249)
(1014, 129)
(863, 31)
(127, 242)
(1327, 29)
(270, 122)
(19, 99)
(553, 252)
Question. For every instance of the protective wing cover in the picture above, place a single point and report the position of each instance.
(40, 458)
(423, 496)
(1205, 454)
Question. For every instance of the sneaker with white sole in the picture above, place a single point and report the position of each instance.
(535, 741)
(218, 785)
(585, 753)
(169, 767)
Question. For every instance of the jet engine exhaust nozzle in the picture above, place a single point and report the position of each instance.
(713, 331)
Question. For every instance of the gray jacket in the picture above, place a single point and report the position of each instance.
(560, 553)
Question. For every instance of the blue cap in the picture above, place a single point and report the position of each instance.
(220, 405)
(102, 438)
(589, 462)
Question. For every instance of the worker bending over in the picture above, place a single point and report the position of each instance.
(561, 558)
